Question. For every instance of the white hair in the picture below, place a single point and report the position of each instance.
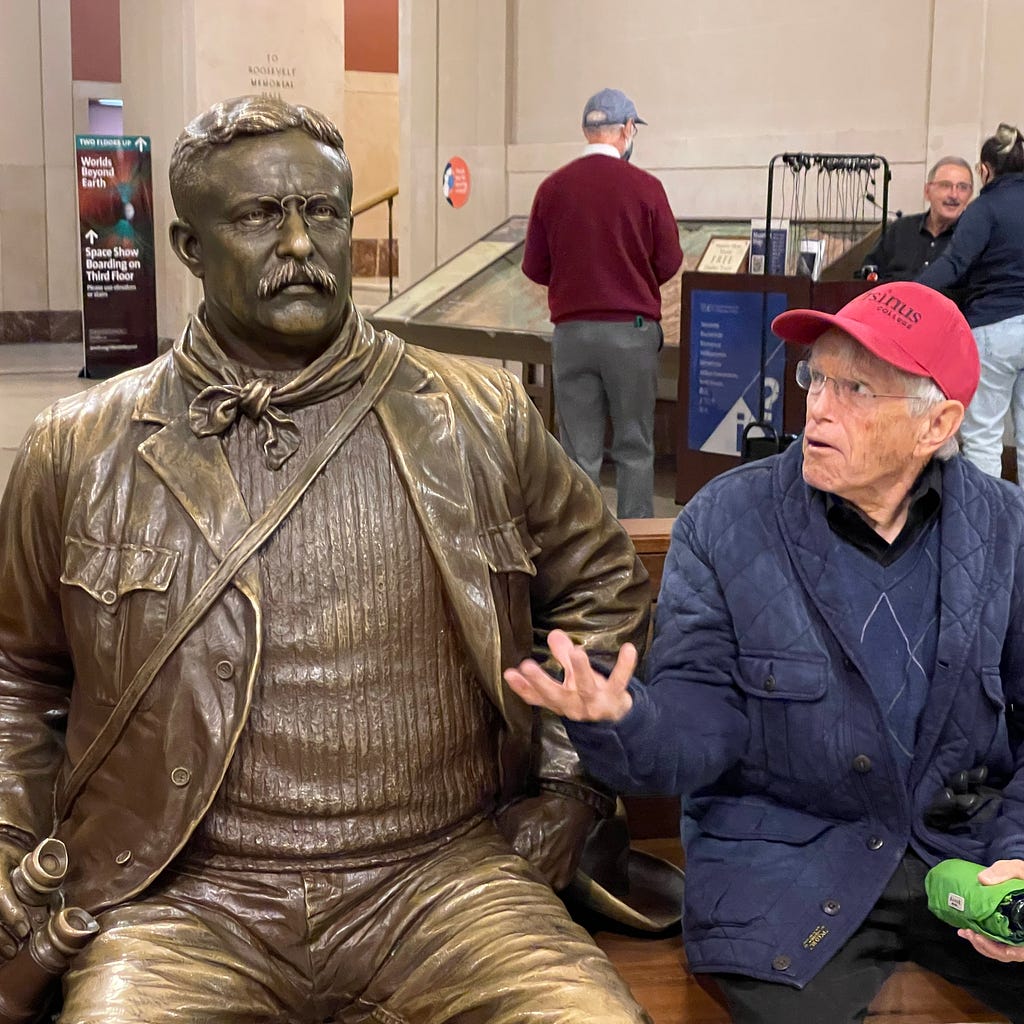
(926, 395)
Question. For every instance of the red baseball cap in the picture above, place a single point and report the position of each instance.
(906, 324)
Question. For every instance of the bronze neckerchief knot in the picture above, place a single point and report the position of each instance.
(224, 394)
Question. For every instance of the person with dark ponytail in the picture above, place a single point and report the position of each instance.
(986, 257)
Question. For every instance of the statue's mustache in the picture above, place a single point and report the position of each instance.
(296, 272)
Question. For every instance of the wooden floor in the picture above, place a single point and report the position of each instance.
(655, 969)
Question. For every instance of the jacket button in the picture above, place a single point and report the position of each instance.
(123, 857)
(862, 764)
(781, 963)
(108, 596)
(875, 843)
(831, 907)
(769, 684)
(224, 670)
(181, 776)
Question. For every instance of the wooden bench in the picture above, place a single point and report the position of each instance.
(655, 968)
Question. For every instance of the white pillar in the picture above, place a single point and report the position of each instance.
(455, 70)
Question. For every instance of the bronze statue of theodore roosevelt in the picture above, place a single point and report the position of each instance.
(321, 802)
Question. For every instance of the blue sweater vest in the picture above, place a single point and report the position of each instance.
(894, 623)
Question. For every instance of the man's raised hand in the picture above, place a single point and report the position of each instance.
(585, 695)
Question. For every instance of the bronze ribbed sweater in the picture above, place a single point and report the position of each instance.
(368, 734)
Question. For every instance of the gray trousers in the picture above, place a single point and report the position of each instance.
(603, 369)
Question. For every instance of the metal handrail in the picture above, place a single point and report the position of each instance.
(387, 196)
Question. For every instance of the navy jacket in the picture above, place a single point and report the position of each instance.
(986, 254)
(795, 814)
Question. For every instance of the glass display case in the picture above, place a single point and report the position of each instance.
(480, 303)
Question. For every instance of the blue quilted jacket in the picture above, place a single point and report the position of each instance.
(795, 815)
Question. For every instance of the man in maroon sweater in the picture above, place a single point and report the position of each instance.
(602, 238)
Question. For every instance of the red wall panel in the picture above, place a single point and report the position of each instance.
(96, 40)
(371, 35)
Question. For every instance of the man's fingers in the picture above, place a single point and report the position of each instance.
(992, 949)
(585, 695)
(1001, 871)
(536, 687)
(625, 666)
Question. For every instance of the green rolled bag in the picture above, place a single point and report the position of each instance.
(957, 897)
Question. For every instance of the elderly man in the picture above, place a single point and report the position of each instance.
(840, 640)
(602, 238)
(291, 783)
(914, 241)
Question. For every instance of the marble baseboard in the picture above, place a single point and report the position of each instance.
(370, 257)
(18, 326)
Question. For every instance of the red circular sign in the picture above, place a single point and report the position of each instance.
(455, 182)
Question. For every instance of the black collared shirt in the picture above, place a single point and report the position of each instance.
(848, 524)
(907, 248)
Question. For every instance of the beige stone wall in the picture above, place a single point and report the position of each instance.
(725, 84)
(372, 143)
(38, 225)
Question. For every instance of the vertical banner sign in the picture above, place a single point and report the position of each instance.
(115, 214)
(725, 367)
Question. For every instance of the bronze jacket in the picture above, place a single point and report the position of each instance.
(116, 513)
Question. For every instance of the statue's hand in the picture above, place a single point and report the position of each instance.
(549, 831)
(14, 920)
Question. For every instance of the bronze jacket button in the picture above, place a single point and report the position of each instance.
(862, 764)
(224, 669)
(181, 776)
(769, 684)
(781, 963)
(874, 843)
(123, 857)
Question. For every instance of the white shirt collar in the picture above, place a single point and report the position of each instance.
(593, 148)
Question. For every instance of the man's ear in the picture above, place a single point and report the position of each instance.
(185, 244)
(942, 422)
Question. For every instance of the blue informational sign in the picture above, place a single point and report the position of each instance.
(725, 367)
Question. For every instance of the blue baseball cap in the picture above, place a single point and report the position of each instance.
(610, 106)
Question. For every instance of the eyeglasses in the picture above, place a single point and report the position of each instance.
(848, 392)
(318, 212)
(963, 187)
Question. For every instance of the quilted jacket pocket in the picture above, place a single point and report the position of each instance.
(747, 854)
(788, 714)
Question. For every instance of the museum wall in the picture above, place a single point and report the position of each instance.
(38, 261)
(725, 85)
(166, 59)
(500, 83)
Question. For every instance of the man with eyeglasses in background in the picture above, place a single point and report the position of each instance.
(915, 240)
(838, 661)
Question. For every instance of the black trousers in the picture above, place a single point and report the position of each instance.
(899, 928)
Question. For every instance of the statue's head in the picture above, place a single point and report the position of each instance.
(263, 196)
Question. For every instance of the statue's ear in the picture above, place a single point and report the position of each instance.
(185, 243)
